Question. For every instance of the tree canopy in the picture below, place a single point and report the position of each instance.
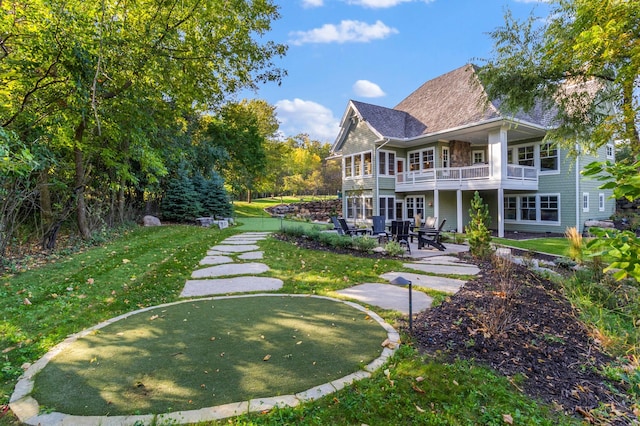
(583, 60)
(113, 89)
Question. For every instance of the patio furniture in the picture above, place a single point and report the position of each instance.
(401, 232)
(378, 229)
(336, 225)
(350, 230)
(431, 237)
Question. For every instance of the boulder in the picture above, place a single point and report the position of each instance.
(149, 220)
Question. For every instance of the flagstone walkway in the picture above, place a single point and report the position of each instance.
(225, 272)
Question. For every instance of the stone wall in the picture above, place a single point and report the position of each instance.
(460, 153)
(315, 211)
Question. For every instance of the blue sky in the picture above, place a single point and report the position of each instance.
(375, 51)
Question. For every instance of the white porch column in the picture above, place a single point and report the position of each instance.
(460, 226)
(500, 212)
(436, 204)
(498, 153)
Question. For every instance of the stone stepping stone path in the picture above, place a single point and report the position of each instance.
(388, 297)
(447, 285)
(461, 269)
(208, 281)
(230, 269)
(198, 288)
(215, 260)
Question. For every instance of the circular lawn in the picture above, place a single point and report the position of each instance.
(208, 352)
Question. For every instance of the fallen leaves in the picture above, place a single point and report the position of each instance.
(266, 357)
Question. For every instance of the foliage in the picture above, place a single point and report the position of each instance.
(393, 248)
(621, 247)
(181, 201)
(364, 243)
(575, 243)
(582, 62)
(477, 230)
(118, 100)
(214, 198)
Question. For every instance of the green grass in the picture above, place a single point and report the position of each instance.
(190, 355)
(148, 266)
(555, 245)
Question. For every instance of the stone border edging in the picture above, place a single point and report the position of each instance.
(27, 409)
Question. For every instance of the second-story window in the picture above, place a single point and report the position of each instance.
(526, 155)
(548, 157)
(386, 163)
(357, 165)
(421, 160)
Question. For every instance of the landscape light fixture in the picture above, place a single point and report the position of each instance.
(402, 281)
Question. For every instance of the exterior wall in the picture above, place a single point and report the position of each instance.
(590, 186)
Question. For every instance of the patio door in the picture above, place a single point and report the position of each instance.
(400, 170)
(399, 210)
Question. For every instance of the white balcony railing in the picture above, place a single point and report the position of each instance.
(462, 174)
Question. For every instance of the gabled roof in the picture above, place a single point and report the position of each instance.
(451, 101)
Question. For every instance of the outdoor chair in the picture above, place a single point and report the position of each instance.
(378, 229)
(432, 237)
(350, 230)
(401, 232)
(336, 225)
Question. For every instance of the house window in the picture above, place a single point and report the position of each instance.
(549, 208)
(414, 161)
(528, 208)
(445, 156)
(478, 157)
(526, 155)
(510, 208)
(610, 151)
(510, 156)
(601, 202)
(421, 160)
(548, 158)
(386, 207)
(359, 207)
(348, 170)
(386, 163)
(415, 205)
(585, 201)
(357, 165)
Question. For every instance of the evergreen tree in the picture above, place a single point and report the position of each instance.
(181, 202)
(214, 197)
(478, 232)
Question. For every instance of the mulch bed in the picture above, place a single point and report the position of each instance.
(542, 338)
(539, 337)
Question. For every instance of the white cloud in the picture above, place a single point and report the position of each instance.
(300, 116)
(379, 4)
(312, 3)
(367, 89)
(347, 31)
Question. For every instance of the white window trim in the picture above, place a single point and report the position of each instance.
(442, 157)
(585, 202)
(353, 165)
(611, 147)
(548, 172)
(421, 159)
(361, 200)
(389, 199)
(601, 203)
(538, 221)
(385, 172)
(415, 205)
(473, 156)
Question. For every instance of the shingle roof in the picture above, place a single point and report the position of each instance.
(450, 101)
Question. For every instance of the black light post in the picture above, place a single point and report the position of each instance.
(401, 281)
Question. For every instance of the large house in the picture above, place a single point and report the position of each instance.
(443, 142)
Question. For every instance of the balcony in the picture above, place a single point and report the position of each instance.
(478, 176)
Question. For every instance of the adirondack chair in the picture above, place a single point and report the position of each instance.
(378, 229)
(336, 225)
(432, 237)
(401, 232)
(350, 230)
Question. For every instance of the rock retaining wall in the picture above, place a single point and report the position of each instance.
(320, 211)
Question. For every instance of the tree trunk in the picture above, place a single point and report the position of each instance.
(45, 198)
(81, 209)
(121, 203)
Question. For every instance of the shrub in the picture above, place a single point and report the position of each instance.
(364, 243)
(393, 248)
(575, 243)
(478, 232)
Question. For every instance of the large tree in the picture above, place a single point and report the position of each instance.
(582, 61)
(103, 79)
